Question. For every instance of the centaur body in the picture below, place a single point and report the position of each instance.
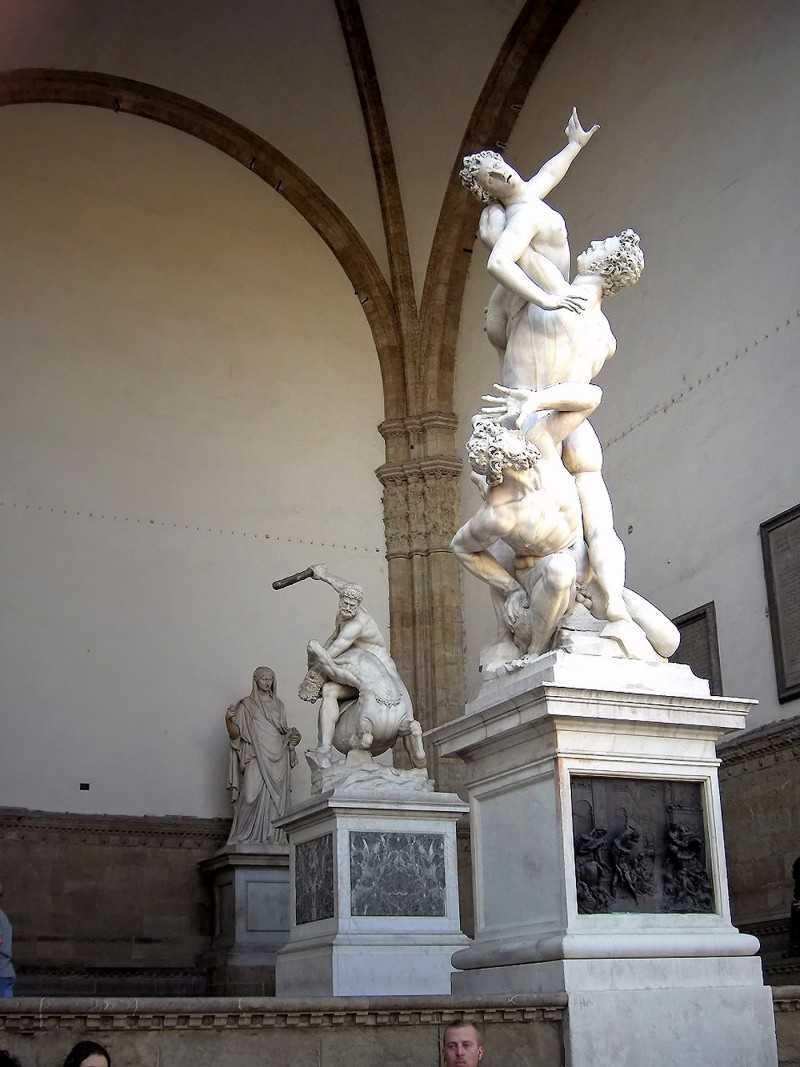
(365, 704)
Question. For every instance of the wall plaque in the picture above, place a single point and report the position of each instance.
(396, 874)
(313, 880)
(640, 845)
(780, 544)
(699, 647)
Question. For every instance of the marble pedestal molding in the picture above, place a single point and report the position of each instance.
(373, 901)
(250, 886)
(645, 986)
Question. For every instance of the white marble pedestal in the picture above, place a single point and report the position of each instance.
(373, 901)
(250, 886)
(599, 865)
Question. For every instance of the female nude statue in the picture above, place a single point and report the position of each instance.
(549, 332)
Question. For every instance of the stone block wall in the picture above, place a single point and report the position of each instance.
(760, 787)
(357, 1032)
(787, 1024)
(107, 905)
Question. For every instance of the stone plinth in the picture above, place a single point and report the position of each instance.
(250, 885)
(373, 901)
(599, 864)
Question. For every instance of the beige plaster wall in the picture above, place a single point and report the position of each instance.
(280, 68)
(432, 61)
(699, 152)
(189, 409)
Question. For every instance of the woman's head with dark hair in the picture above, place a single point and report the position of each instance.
(7, 1060)
(88, 1054)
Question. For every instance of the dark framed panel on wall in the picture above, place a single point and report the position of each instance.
(699, 647)
(780, 543)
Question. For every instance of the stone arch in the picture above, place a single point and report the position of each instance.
(525, 48)
(92, 89)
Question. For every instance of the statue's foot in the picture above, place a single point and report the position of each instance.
(631, 638)
(616, 610)
(517, 664)
(359, 757)
(321, 757)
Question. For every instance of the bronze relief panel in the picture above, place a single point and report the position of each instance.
(640, 846)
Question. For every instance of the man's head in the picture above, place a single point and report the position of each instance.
(493, 449)
(488, 176)
(264, 677)
(350, 601)
(463, 1045)
(618, 260)
(88, 1054)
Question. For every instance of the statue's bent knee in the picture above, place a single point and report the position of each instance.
(560, 572)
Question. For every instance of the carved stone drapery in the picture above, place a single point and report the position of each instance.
(420, 501)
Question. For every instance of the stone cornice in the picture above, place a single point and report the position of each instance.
(131, 969)
(22, 824)
(766, 927)
(442, 420)
(786, 998)
(31, 1014)
(774, 740)
(429, 434)
(430, 466)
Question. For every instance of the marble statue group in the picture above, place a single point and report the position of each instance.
(365, 704)
(543, 538)
(587, 760)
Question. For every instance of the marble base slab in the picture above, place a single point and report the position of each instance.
(250, 888)
(587, 672)
(373, 902)
(395, 964)
(636, 1013)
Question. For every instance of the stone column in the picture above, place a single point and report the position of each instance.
(420, 499)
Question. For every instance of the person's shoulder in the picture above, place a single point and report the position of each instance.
(522, 214)
(498, 517)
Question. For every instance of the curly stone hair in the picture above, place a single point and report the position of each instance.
(469, 172)
(489, 455)
(621, 268)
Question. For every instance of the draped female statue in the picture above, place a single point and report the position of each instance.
(262, 751)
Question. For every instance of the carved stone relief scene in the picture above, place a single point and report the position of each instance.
(639, 846)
